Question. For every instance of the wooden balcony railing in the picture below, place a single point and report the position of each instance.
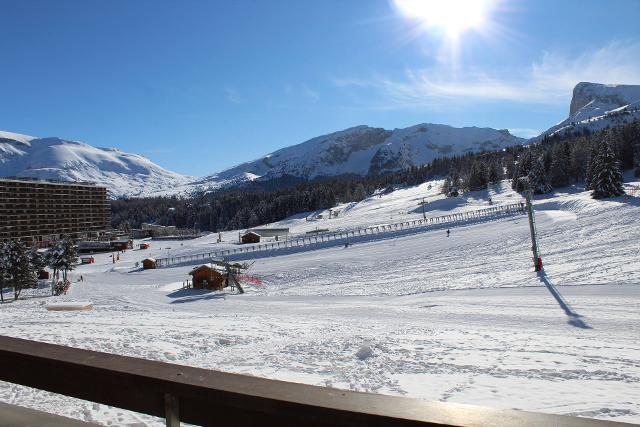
(204, 397)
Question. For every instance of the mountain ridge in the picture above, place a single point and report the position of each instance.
(596, 106)
(124, 174)
(360, 150)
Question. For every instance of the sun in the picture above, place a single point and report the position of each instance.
(453, 17)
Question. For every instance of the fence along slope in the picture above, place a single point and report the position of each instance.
(425, 224)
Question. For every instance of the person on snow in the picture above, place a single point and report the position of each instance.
(448, 232)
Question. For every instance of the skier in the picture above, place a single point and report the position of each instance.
(448, 232)
(81, 279)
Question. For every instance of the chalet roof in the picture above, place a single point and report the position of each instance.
(269, 232)
(251, 233)
(149, 259)
(203, 266)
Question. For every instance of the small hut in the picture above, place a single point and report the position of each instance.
(148, 263)
(207, 277)
(122, 244)
(250, 237)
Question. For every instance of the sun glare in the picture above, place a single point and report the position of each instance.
(451, 16)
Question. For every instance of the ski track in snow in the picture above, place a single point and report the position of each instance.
(458, 319)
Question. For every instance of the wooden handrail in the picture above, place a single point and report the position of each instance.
(204, 397)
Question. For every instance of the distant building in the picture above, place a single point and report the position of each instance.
(149, 263)
(121, 244)
(138, 233)
(162, 229)
(250, 237)
(91, 246)
(270, 232)
(207, 277)
(154, 230)
(39, 212)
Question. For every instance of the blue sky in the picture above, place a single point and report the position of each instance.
(198, 86)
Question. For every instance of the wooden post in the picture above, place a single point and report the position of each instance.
(532, 229)
(171, 410)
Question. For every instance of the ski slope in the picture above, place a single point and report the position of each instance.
(461, 318)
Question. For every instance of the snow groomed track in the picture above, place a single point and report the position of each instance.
(357, 235)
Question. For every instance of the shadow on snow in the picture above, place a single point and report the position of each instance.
(181, 296)
(575, 319)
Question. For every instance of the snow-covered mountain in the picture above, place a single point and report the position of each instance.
(360, 150)
(595, 106)
(122, 173)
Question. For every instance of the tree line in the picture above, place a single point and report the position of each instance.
(597, 159)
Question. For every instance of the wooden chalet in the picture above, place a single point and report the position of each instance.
(207, 277)
(122, 244)
(148, 263)
(250, 237)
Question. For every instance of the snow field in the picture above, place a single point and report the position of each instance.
(461, 318)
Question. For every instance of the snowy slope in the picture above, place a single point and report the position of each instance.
(455, 319)
(597, 106)
(122, 173)
(362, 150)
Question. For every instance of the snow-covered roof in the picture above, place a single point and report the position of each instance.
(269, 232)
(204, 266)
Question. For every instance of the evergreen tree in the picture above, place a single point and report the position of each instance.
(451, 185)
(592, 166)
(446, 186)
(456, 184)
(607, 177)
(253, 220)
(62, 257)
(4, 270)
(359, 193)
(36, 259)
(560, 165)
(20, 271)
(522, 168)
(494, 173)
(538, 177)
(636, 147)
(477, 176)
(578, 159)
